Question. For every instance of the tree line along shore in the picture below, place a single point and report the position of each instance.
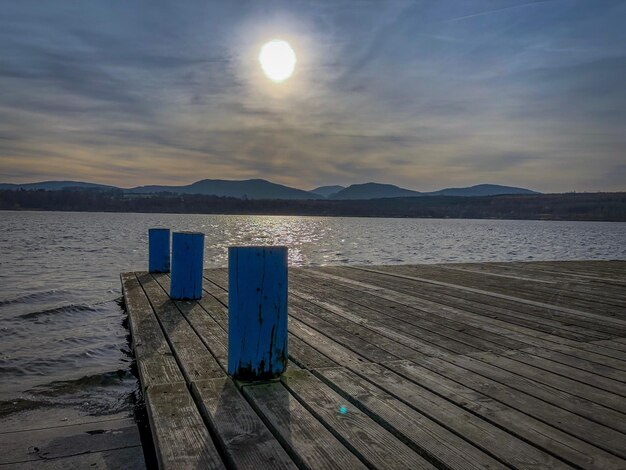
(566, 206)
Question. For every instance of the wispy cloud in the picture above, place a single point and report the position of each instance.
(492, 11)
(422, 94)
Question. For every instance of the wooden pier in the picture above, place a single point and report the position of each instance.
(490, 365)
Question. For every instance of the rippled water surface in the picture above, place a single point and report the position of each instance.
(62, 336)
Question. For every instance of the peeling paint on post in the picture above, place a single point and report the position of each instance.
(159, 250)
(257, 312)
(187, 264)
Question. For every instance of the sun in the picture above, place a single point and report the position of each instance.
(278, 60)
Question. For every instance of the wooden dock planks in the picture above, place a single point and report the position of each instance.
(46, 439)
(476, 365)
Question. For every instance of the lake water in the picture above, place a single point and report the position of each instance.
(63, 342)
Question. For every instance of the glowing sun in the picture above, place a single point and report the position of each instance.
(277, 60)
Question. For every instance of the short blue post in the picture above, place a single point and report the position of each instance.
(187, 264)
(159, 250)
(257, 312)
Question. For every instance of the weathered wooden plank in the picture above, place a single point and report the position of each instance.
(566, 357)
(63, 441)
(308, 442)
(219, 279)
(586, 325)
(428, 337)
(567, 401)
(540, 387)
(214, 306)
(598, 381)
(586, 391)
(502, 271)
(601, 350)
(583, 428)
(181, 439)
(528, 273)
(576, 269)
(582, 351)
(516, 331)
(489, 297)
(614, 344)
(374, 444)
(220, 293)
(420, 433)
(528, 332)
(192, 355)
(212, 334)
(385, 346)
(610, 269)
(483, 434)
(447, 315)
(454, 335)
(155, 360)
(557, 271)
(350, 339)
(543, 435)
(574, 319)
(45, 418)
(126, 457)
(144, 327)
(562, 272)
(546, 323)
(408, 346)
(246, 440)
(524, 289)
(306, 356)
(325, 345)
(567, 291)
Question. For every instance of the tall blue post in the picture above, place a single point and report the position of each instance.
(159, 250)
(257, 312)
(187, 264)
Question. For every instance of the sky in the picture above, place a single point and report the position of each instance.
(422, 94)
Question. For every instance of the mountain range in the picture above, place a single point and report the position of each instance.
(327, 191)
(263, 189)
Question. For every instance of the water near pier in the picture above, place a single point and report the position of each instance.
(62, 336)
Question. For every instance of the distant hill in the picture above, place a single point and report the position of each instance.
(327, 191)
(481, 190)
(373, 191)
(379, 191)
(54, 185)
(262, 189)
(251, 189)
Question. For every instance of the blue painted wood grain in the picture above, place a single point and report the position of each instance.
(159, 250)
(187, 264)
(257, 312)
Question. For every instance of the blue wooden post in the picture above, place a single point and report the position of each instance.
(187, 264)
(257, 312)
(159, 250)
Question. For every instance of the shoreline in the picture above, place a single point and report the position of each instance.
(589, 207)
(330, 216)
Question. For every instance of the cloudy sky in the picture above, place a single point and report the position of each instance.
(422, 94)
